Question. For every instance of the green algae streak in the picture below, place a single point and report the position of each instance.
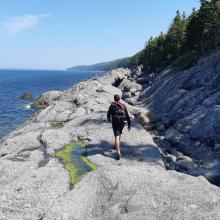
(56, 125)
(75, 161)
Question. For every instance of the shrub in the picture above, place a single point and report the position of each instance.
(186, 61)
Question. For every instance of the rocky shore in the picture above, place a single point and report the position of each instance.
(35, 184)
(187, 105)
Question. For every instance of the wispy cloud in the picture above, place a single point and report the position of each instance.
(20, 23)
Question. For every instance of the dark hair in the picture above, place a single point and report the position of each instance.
(116, 98)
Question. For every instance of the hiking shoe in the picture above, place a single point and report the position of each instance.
(118, 157)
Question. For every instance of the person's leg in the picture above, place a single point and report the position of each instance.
(117, 144)
(117, 132)
(120, 131)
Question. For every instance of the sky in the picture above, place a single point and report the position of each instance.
(57, 34)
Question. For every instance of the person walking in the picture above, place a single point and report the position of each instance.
(118, 114)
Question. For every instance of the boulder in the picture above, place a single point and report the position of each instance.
(26, 95)
(176, 153)
(169, 158)
(184, 158)
(160, 126)
(131, 101)
(148, 127)
(133, 91)
(152, 76)
(108, 89)
(137, 93)
(147, 117)
(137, 72)
(134, 73)
(143, 118)
(140, 68)
(129, 86)
(126, 95)
(79, 100)
(185, 164)
(163, 143)
(143, 80)
(56, 112)
(173, 136)
(46, 99)
(167, 120)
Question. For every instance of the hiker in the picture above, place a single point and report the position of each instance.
(118, 114)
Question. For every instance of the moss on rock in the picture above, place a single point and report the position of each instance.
(75, 162)
(56, 125)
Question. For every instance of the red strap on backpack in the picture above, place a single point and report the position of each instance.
(120, 105)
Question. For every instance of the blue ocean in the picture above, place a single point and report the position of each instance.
(13, 110)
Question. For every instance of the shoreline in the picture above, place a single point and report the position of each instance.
(117, 189)
(19, 110)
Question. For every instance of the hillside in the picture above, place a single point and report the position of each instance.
(185, 106)
(185, 42)
(104, 66)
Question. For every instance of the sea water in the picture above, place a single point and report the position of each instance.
(13, 110)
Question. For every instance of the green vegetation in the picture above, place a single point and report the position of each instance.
(186, 61)
(56, 124)
(186, 40)
(105, 66)
(75, 161)
(86, 161)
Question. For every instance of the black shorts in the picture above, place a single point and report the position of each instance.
(117, 127)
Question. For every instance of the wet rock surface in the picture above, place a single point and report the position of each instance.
(35, 185)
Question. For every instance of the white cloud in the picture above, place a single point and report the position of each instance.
(21, 23)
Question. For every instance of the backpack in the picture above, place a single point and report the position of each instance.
(119, 112)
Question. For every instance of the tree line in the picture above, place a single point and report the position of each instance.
(187, 39)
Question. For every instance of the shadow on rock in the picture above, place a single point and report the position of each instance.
(103, 147)
(103, 120)
(143, 152)
(139, 152)
(94, 121)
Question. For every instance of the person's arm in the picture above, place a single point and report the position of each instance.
(128, 118)
(109, 113)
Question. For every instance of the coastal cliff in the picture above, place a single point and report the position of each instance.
(36, 171)
(187, 105)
